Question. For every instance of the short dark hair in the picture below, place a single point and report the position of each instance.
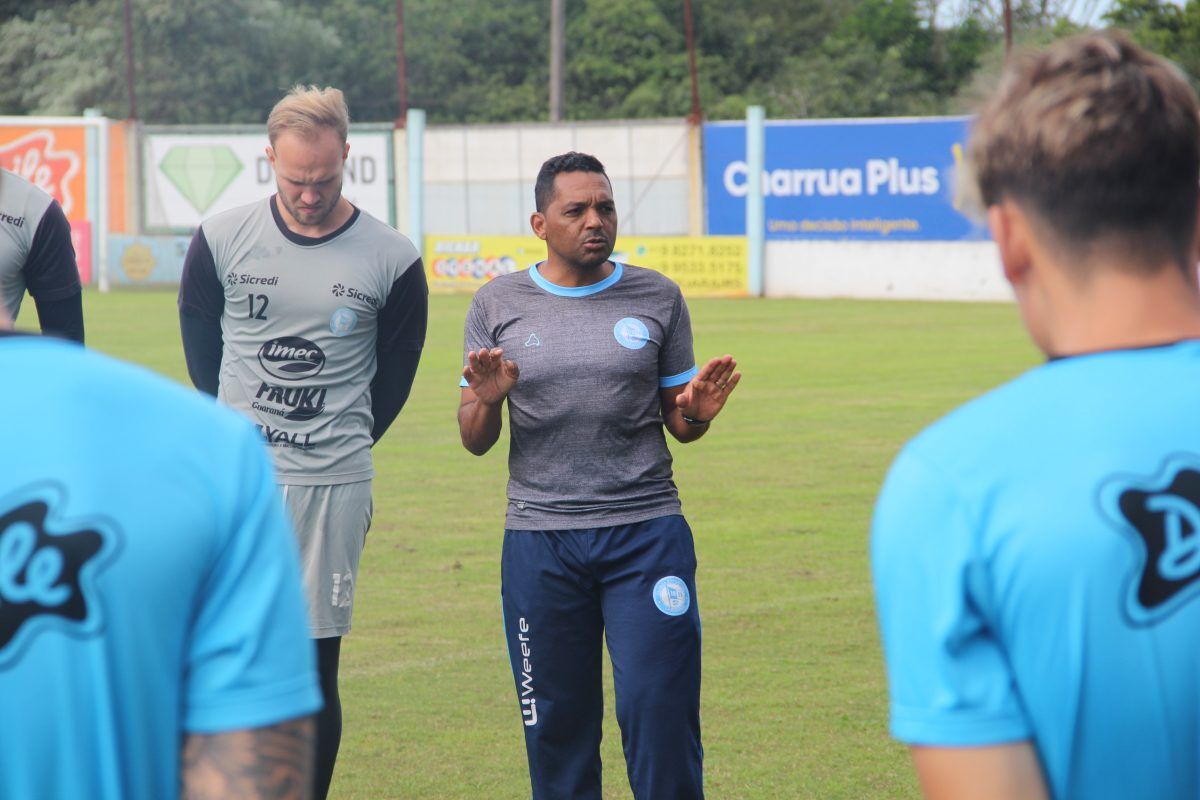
(1099, 140)
(543, 188)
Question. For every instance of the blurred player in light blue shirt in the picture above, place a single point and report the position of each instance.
(1037, 552)
(153, 635)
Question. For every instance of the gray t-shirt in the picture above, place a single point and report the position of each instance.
(35, 245)
(585, 416)
(299, 326)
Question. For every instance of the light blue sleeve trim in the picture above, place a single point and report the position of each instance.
(576, 291)
(957, 728)
(677, 380)
(253, 706)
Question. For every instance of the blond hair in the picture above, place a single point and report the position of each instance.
(305, 109)
(1100, 141)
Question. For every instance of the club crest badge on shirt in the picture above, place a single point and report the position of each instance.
(631, 333)
(343, 321)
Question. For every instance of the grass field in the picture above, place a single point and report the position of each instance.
(779, 495)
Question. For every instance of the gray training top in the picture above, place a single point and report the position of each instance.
(585, 415)
(299, 324)
(35, 245)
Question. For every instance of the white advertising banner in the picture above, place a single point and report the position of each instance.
(190, 177)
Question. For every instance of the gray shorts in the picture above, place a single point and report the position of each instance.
(331, 527)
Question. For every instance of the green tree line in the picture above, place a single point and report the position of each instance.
(200, 62)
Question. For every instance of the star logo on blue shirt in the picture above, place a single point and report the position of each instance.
(44, 569)
(1162, 517)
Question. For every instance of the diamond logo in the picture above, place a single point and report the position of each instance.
(200, 172)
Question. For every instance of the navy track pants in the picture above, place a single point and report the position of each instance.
(633, 585)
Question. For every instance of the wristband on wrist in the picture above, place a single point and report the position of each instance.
(695, 422)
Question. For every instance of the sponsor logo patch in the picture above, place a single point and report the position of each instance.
(342, 595)
(1161, 518)
(276, 437)
(46, 568)
(242, 279)
(290, 402)
(350, 293)
(529, 713)
(291, 358)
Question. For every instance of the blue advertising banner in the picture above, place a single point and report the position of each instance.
(860, 179)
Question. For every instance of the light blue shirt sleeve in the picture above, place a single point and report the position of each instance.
(250, 659)
(948, 675)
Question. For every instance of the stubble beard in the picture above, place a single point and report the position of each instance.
(589, 261)
(310, 219)
(592, 262)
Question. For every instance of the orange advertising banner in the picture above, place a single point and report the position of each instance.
(54, 157)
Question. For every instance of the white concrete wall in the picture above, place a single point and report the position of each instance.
(884, 270)
(479, 178)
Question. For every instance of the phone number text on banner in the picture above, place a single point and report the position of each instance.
(708, 266)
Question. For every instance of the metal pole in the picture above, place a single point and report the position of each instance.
(415, 134)
(105, 194)
(695, 168)
(558, 38)
(133, 179)
(129, 82)
(97, 192)
(1008, 33)
(697, 113)
(401, 66)
(755, 211)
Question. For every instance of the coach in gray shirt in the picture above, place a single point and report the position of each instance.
(594, 359)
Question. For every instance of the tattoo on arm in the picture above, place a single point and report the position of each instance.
(271, 763)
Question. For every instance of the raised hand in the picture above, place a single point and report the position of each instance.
(705, 395)
(490, 375)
